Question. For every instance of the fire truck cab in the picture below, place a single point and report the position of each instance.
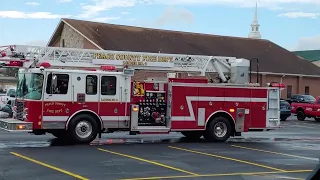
(87, 92)
(55, 99)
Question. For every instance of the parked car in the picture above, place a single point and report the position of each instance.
(301, 98)
(9, 96)
(285, 110)
(6, 110)
(309, 107)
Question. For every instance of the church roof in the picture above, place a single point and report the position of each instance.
(272, 57)
(311, 55)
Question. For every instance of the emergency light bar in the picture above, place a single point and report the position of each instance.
(276, 84)
(45, 64)
(107, 68)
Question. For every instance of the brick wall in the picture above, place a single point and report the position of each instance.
(299, 85)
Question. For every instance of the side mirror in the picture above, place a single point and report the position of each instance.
(54, 83)
(54, 80)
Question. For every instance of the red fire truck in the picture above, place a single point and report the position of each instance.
(80, 93)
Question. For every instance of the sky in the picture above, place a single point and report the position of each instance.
(292, 24)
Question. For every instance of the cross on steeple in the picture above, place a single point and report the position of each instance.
(255, 33)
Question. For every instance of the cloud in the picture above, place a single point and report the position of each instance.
(37, 43)
(104, 19)
(271, 4)
(33, 15)
(308, 43)
(93, 8)
(174, 15)
(147, 2)
(125, 13)
(32, 4)
(63, 1)
(98, 6)
(299, 15)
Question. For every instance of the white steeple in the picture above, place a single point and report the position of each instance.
(255, 33)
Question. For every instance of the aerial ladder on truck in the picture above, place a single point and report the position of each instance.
(229, 69)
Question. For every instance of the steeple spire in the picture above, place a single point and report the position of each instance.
(255, 33)
(255, 19)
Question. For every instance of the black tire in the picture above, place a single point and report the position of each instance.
(60, 134)
(86, 122)
(300, 115)
(283, 118)
(192, 134)
(210, 134)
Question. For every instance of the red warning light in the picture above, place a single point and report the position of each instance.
(107, 68)
(45, 64)
(15, 63)
(279, 85)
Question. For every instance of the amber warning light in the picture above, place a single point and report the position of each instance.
(135, 109)
(21, 127)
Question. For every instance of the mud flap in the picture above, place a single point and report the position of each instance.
(13, 125)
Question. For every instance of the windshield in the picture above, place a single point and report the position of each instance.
(284, 102)
(309, 98)
(30, 86)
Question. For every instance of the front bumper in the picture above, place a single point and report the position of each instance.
(285, 113)
(13, 125)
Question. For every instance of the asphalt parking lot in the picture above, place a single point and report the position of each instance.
(290, 153)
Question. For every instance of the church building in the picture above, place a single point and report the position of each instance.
(276, 64)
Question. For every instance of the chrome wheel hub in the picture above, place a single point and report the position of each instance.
(83, 129)
(220, 129)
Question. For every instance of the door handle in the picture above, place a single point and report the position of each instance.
(120, 94)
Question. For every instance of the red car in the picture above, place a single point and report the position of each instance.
(308, 106)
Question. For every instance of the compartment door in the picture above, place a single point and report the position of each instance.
(85, 91)
(110, 100)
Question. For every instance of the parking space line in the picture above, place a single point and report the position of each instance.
(280, 177)
(49, 166)
(148, 161)
(217, 175)
(228, 158)
(309, 148)
(272, 152)
(304, 126)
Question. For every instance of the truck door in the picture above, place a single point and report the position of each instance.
(111, 108)
(57, 101)
(85, 91)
